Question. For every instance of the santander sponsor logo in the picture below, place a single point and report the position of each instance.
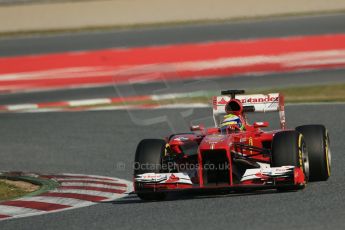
(250, 100)
(223, 101)
(268, 98)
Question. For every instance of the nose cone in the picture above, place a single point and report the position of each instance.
(215, 141)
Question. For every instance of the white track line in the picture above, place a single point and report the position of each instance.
(92, 185)
(57, 200)
(22, 107)
(87, 179)
(89, 102)
(89, 176)
(88, 192)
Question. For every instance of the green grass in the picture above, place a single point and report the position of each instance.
(8, 191)
(320, 93)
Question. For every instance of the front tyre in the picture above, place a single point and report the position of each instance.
(289, 149)
(318, 144)
(148, 159)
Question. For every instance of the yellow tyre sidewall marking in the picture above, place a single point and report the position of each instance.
(167, 146)
(326, 155)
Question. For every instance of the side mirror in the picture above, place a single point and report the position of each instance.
(261, 124)
(200, 128)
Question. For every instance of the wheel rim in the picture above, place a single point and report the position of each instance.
(305, 160)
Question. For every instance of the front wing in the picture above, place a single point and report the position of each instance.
(257, 178)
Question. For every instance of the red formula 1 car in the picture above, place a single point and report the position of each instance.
(233, 157)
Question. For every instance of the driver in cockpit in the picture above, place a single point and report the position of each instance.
(231, 122)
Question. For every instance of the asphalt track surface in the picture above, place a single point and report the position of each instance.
(103, 143)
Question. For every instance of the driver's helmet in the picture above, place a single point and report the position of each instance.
(231, 120)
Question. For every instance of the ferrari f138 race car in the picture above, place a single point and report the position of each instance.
(234, 155)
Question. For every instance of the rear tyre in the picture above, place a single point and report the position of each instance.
(289, 148)
(317, 140)
(148, 159)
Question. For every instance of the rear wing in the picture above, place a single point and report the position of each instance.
(273, 102)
